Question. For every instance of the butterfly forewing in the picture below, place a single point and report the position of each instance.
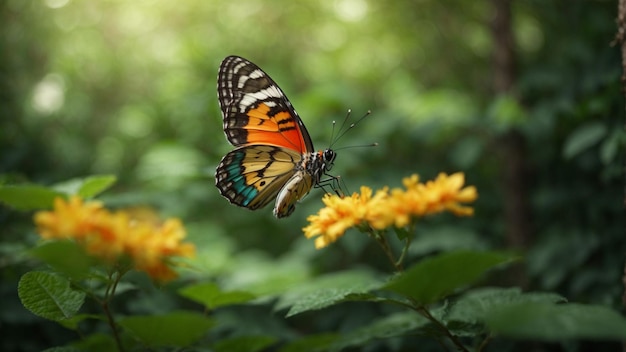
(255, 109)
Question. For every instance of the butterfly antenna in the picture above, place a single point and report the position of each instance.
(352, 125)
(375, 144)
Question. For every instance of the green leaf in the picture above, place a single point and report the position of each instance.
(212, 297)
(397, 324)
(49, 296)
(611, 146)
(66, 257)
(28, 197)
(172, 329)
(245, 344)
(87, 187)
(435, 278)
(328, 297)
(556, 322)
(96, 342)
(583, 138)
(326, 290)
(94, 185)
(475, 304)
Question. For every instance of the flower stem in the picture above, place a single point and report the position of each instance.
(426, 314)
(110, 291)
(384, 244)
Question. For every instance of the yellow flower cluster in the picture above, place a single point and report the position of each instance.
(116, 235)
(398, 207)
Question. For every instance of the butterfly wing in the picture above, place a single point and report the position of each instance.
(255, 110)
(253, 176)
(273, 145)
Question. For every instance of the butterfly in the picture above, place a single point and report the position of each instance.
(274, 158)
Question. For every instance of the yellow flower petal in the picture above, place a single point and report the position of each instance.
(113, 236)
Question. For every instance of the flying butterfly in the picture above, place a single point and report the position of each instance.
(274, 158)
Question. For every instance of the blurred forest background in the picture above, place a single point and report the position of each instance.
(522, 96)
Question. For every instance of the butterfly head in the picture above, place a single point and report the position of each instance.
(328, 158)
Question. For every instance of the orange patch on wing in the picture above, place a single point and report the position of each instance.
(279, 130)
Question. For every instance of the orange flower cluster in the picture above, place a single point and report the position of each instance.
(116, 235)
(398, 207)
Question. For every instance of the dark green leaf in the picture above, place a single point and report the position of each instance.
(398, 324)
(72, 322)
(583, 138)
(65, 257)
(28, 197)
(328, 297)
(49, 296)
(436, 277)
(212, 297)
(172, 329)
(475, 304)
(330, 288)
(556, 322)
(96, 342)
(245, 344)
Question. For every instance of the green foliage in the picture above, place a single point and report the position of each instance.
(125, 91)
(543, 321)
(171, 329)
(210, 295)
(31, 197)
(28, 197)
(433, 279)
(65, 257)
(245, 344)
(49, 295)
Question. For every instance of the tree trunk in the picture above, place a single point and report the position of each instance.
(620, 39)
(511, 144)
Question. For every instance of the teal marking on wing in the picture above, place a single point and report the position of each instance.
(247, 192)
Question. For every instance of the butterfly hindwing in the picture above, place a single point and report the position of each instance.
(252, 176)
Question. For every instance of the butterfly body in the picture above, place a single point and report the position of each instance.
(274, 159)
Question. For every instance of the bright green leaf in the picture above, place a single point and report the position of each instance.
(28, 197)
(94, 185)
(49, 296)
(436, 277)
(583, 138)
(556, 322)
(245, 344)
(87, 187)
(172, 329)
(212, 297)
(65, 257)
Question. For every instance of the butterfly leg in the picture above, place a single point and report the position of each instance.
(333, 184)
